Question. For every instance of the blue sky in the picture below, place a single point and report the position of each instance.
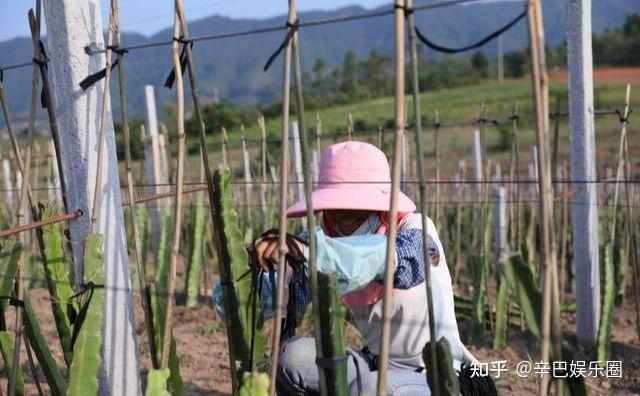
(150, 16)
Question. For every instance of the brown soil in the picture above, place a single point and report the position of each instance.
(622, 75)
(204, 361)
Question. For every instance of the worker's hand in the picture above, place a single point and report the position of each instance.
(267, 250)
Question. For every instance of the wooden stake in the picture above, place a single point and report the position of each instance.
(318, 134)
(284, 178)
(417, 120)
(395, 190)
(106, 106)
(556, 134)
(225, 142)
(205, 161)
(248, 180)
(25, 192)
(436, 139)
(550, 315)
(137, 247)
(177, 210)
(48, 99)
(310, 220)
(349, 127)
(514, 179)
(264, 186)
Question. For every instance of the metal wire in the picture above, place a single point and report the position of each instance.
(222, 36)
(42, 223)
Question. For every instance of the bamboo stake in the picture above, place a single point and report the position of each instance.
(393, 207)
(177, 210)
(142, 277)
(564, 228)
(106, 104)
(264, 186)
(205, 161)
(25, 193)
(514, 178)
(248, 185)
(556, 134)
(417, 120)
(619, 170)
(225, 141)
(540, 87)
(32, 365)
(318, 134)
(483, 169)
(623, 167)
(165, 152)
(53, 123)
(633, 253)
(284, 168)
(436, 119)
(311, 226)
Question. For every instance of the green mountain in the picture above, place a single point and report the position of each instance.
(232, 68)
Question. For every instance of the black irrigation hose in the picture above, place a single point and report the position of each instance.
(220, 36)
(477, 44)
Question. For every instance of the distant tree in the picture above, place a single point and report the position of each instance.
(319, 79)
(480, 64)
(349, 87)
(515, 64)
(377, 74)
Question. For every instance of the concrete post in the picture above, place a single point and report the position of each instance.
(7, 182)
(583, 169)
(72, 24)
(500, 221)
(155, 166)
(497, 176)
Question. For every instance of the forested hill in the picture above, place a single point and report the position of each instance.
(233, 67)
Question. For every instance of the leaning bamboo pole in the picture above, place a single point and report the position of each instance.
(436, 117)
(332, 381)
(205, 160)
(624, 168)
(514, 181)
(24, 193)
(106, 106)
(41, 61)
(177, 210)
(550, 314)
(140, 265)
(284, 177)
(417, 120)
(395, 191)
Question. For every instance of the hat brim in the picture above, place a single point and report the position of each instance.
(350, 199)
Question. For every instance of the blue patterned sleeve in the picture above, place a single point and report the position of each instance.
(410, 266)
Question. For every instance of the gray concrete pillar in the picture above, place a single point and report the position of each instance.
(72, 25)
(583, 170)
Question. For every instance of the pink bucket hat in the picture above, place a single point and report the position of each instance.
(353, 176)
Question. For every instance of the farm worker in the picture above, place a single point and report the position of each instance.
(353, 195)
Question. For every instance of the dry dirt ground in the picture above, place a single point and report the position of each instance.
(619, 75)
(204, 365)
